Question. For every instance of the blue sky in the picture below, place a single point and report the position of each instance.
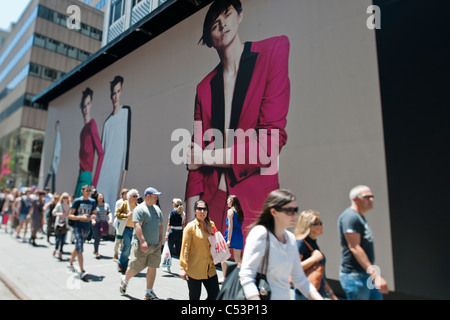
(10, 11)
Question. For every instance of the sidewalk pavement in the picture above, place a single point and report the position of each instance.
(34, 274)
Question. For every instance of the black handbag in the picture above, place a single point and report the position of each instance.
(232, 288)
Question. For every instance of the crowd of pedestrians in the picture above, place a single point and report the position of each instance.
(137, 224)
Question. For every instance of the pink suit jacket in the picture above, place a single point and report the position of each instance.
(260, 101)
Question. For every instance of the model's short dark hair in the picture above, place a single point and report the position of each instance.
(116, 80)
(214, 11)
(85, 94)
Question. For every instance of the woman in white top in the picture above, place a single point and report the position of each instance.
(279, 213)
(61, 212)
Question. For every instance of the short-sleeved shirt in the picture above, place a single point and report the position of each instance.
(82, 207)
(351, 221)
(151, 217)
(102, 212)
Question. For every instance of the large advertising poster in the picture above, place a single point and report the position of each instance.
(280, 94)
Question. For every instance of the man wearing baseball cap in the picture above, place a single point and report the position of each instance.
(146, 243)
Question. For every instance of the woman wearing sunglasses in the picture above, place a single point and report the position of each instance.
(308, 228)
(279, 212)
(196, 262)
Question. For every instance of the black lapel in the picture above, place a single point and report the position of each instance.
(218, 101)
(245, 73)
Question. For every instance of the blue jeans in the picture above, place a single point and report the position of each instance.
(59, 241)
(81, 235)
(358, 286)
(127, 237)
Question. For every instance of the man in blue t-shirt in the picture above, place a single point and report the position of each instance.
(82, 212)
(357, 250)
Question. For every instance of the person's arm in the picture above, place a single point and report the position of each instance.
(230, 215)
(160, 229)
(329, 292)
(57, 210)
(72, 215)
(140, 236)
(110, 218)
(93, 216)
(122, 212)
(169, 227)
(185, 251)
(30, 212)
(316, 256)
(354, 245)
(100, 152)
(252, 260)
(19, 206)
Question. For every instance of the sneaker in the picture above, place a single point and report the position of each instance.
(123, 286)
(83, 275)
(151, 296)
(71, 268)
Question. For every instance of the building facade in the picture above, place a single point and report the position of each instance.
(122, 14)
(38, 51)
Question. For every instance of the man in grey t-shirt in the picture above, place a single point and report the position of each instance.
(146, 243)
(358, 250)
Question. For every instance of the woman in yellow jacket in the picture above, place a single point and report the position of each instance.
(125, 211)
(196, 262)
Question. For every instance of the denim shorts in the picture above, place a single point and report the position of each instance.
(80, 236)
(359, 286)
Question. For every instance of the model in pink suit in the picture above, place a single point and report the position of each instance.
(249, 89)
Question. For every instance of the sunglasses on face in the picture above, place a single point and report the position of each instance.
(368, 197)
(320, 223)
(87, 190)
(290, 211)
(201, 209)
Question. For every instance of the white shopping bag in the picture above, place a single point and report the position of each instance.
(166, 258)
(121, 224)
(219, 249)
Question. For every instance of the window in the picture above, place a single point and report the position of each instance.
(96, 34)
(49, 74)
(62, 48)
(62, 19)
(52, 44)
(83, 55)
(117, 10)
(72, 52)
(35, 70)
(85, 29)
(39, 40)
(55, 17)
(44, 13)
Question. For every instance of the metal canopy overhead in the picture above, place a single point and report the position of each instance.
(155, 23)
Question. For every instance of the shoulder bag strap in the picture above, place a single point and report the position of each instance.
(309, 246)
(265, 262)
